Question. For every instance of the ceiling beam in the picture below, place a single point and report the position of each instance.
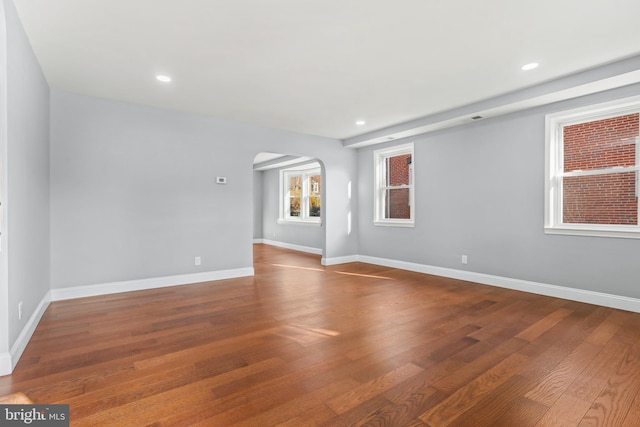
(611, 76)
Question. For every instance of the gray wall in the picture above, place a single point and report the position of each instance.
(134, 196)
(25, 241)
(311, 236)
(480, 192)
(257, 204)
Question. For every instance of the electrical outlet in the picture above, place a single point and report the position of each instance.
(464, 259)
(20, 310)
(198, 260)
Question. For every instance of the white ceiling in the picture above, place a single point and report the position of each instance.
(265, 157)
(317, 66)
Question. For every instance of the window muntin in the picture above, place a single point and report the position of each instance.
(301, 201)
(593, 163)
(394, 189)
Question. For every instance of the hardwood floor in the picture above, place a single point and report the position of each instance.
(355, 344)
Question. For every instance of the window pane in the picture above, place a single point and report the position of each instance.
(295, 185)
(314, 206)
(398, 170)
(600, 199)
(314, 195)
(396, 204)
(294, 206)
(314, 185)
(601, 144)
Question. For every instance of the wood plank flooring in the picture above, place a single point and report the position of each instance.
(355, 344)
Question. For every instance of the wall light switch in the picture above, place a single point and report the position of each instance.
(221, 179)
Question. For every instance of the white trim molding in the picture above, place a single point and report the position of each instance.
(305, 172)
(555, 173)
(382, 185)
(340, 260)
(61, 294)
(307, 223)
(5, 364)
(299, 248)
(8, 361)
(573, 294)
(316, 251)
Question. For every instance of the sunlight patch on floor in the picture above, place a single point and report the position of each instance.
(363, 275)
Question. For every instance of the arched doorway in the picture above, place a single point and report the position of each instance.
(288, 202)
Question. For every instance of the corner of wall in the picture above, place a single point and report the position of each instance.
(8, 361)
(5, 358)
(5, 364)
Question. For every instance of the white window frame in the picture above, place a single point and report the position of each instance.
(554, 168)
(304, 218)
(380, 172)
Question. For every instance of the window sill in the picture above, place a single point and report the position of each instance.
(617, 232)
(401, 223)
(299, 222)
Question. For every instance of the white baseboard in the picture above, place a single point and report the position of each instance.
(307, 249)
(340, 260)
(5, 364)
(580, 295)
(8, 361)
(142, 284)
(316, 251)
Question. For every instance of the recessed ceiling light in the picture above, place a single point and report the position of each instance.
(162, 78)
(361, 123)
(530, 66)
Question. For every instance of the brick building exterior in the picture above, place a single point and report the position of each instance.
(601, 144)
(398, 199)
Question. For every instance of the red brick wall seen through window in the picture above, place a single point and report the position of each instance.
(607, 198)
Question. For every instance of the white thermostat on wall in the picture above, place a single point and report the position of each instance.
(221, 179)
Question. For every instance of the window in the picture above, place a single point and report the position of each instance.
(593, 163)
(394, 189)
(301, 200)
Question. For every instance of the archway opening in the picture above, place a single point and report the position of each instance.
(288, 202)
